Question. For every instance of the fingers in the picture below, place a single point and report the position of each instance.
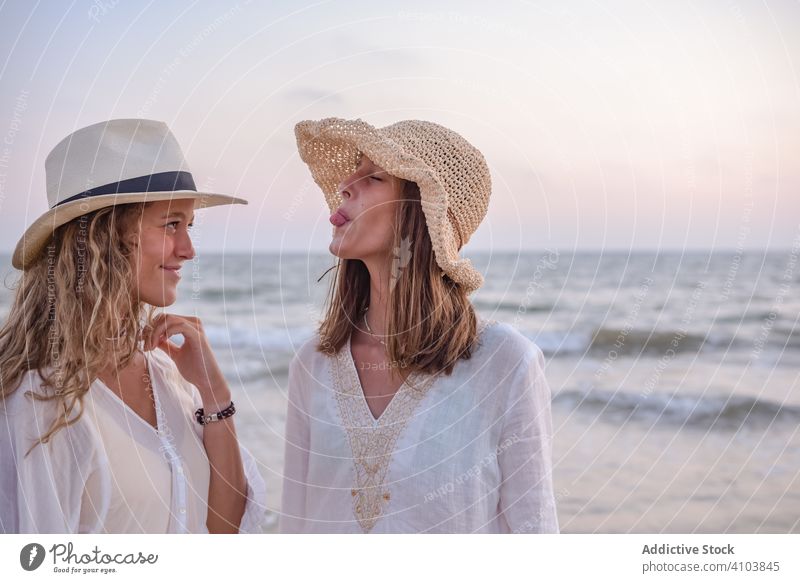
(163, 328)
(166, 325)
(169, 347)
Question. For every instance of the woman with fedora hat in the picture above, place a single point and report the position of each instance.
(106, 424)
(408, 413)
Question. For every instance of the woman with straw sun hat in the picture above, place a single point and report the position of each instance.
(106, 425)
(407, 413)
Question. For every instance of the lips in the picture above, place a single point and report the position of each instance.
(338, 218)
(173, 270)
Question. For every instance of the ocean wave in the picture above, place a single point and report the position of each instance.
(560, 343)
(490, 307)
(645, 341)
(227, 294)
(697, 411)
(598, 343)
(263, 339)
(603, 341)
(740, 318)
(255, 374)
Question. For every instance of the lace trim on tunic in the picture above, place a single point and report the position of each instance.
(373, 441)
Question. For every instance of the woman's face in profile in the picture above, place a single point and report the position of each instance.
(162, 244)
(364, 223)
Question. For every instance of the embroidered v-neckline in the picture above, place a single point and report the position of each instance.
(372, 441)
(404, 386)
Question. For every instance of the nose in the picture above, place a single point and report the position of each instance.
(344, 190)
(184, 247)
(346, 186)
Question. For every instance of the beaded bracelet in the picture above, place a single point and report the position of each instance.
(204, 419)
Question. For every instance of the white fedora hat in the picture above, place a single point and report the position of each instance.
(113, 162)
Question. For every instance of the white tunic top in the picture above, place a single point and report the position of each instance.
(112, 472)
(469, 452)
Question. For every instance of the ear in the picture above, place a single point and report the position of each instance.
(130, 227)
(131, 237)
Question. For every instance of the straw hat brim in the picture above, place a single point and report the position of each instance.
(332, 148)
(37, 236)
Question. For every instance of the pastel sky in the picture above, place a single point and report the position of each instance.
(614, 125)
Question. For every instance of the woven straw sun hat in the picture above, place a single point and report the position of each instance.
(452, 176)
(113, 162)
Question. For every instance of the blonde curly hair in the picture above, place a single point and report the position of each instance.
(69, 307)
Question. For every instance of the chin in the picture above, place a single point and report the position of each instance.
(344, 253)
(336, 248)
(345, 247)
(160, 302)
(162, 299)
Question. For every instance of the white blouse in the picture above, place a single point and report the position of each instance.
(111, 471)
(469, 452)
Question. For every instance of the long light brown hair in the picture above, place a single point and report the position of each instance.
(74, 312)
(431, 323)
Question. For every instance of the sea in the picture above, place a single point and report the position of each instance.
(675, 376)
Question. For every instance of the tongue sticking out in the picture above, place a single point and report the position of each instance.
(337, 219)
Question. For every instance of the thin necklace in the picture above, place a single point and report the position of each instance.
(369, 330)
(148, 379)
